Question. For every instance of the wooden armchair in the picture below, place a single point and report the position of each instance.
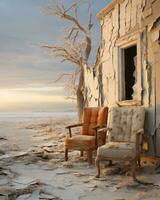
(93, 119)
(125, 129)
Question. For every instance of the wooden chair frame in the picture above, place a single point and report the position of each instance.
(89, 152)
(134, 162)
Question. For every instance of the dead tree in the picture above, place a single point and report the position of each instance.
(76, 48)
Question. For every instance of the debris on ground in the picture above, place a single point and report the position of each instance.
(32, 166)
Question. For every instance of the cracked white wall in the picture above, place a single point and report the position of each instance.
(127, 22)
(91, 84)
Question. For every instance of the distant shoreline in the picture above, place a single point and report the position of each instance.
(27, 116)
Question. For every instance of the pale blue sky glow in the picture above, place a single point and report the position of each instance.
(24, 66)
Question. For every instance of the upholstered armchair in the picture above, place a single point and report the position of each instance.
(124, 133)
(93, 119)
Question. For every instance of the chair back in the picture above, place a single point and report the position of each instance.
(125, 122)
(93, 116)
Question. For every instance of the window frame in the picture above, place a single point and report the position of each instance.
(121, 44)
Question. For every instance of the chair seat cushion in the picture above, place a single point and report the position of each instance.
(80, 142)
(117, 150)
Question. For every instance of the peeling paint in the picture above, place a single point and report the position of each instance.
(124, 24)
(155, 30)
(147, 12)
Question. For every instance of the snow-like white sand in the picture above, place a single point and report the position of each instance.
(32, 156)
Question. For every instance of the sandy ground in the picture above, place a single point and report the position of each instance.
(32, 167)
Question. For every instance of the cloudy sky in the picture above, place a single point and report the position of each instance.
(27, 72)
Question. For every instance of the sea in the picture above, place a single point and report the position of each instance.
(38, 113)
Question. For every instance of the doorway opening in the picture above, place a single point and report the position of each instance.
(130, 55)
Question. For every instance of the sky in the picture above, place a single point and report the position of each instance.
(27, 71)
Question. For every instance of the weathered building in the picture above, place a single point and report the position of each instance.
(128, 65)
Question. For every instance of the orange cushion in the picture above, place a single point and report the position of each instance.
(80, 142)
(92, 117)
(102, 116)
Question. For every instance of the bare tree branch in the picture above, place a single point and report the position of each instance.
(60, 11)
(75, 37)
(68, 53)
(90, 24)
(77, 46)
(61, 76)
(63, 13)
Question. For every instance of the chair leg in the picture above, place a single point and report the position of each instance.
(66, 154)
(110, 163)
(134, 170)
(97, 162)
(89, 156)
(139, 161)
(81, 153)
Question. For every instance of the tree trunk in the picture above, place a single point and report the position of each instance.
(80, 97)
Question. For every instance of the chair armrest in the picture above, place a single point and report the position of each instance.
(99, 129)
(73, 126)
(140, 131)
(104, 129)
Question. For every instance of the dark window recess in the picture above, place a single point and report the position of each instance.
(129, 55)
